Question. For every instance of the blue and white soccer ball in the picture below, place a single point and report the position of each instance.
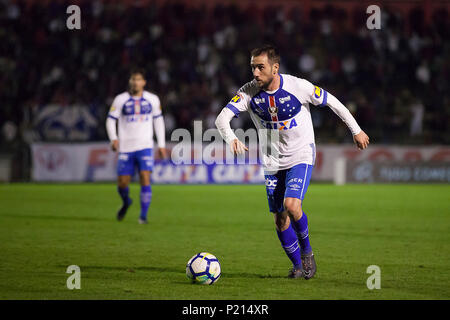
(203, 268)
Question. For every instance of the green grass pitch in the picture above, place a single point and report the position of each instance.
(44, 228)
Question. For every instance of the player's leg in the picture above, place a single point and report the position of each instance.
(298, 179)
(299, 221)
(286, 234)
(145, 163)
(289, 242)
(146, 194)
(123, 182)
(125, 170)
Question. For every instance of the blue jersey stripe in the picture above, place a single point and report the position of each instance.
(110, 116)
(324, 102)
(234, 109)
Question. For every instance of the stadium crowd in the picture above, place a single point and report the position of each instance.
(57, 84)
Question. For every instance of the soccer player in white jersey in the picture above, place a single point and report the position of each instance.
(279, 103)
(139, 114)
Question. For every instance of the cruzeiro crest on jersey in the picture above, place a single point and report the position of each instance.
(273, 110)
(137, 110)
(276, 111)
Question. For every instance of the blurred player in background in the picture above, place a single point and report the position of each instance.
(139, 114)
(279, 103)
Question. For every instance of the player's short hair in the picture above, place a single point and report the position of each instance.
(272, 53)
(137, 71)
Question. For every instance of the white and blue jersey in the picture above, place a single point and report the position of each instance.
(284, 114)
(135, 116)
(285, 131)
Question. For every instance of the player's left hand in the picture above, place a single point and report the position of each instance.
(162, 153)
(361, 140)
(115, 145)
(237, 147)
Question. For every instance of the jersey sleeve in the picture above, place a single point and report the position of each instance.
(319, 97)
(115, 109)
(239, 103)
(313, 94)
(157, 110)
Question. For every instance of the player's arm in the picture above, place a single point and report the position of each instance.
(237, 104)
(320, 97)
(160, 131)
(360, 138)
(223, 125)
(111, 120)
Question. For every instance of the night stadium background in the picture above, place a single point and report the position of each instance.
(56, 86)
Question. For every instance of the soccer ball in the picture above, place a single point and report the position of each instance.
(203, 268)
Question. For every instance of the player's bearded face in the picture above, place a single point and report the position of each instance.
(137, 83)
(263, 71)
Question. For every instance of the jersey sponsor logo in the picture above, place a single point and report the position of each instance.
(146, 108)
(129, 103)
(112, 109)
(280, 125)
(236, 98)
(299, 180)
(294, 187)
(259, 100)
(137, 118)
(317, 92)
(128, 110)
(271, 182)
(284, 99)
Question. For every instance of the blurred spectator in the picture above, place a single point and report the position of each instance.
(58, 84)
(9, 131)
(417, 111)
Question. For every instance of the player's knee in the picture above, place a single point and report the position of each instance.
(144, 178)
(282, 221)
(123, 182)
(293, 206)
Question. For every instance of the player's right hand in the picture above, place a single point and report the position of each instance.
(361, 140)
(115, 145)
(237, 147)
